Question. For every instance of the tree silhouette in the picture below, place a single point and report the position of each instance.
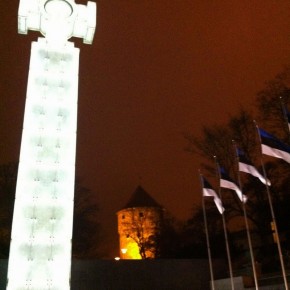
(143, 228)
(87, 233)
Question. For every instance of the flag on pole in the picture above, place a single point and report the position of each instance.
(227, 182)
(207, 190)
(272, 146)
(246, 166)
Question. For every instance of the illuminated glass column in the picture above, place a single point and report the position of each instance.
(40, 250)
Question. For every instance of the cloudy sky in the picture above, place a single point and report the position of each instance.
(156, 69)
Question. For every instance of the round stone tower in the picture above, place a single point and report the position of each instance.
(139, 223)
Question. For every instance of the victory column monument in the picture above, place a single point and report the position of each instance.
(40, 250)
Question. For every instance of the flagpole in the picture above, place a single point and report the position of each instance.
(275, 229)
(207, 236)
(247, 226)
(225, 230)
(285, 116)
(273, 217)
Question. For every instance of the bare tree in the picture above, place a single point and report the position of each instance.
(270, 100)
(143, 227)
(217, 140)
(87, 233)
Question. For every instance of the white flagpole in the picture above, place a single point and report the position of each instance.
(207, 237)
(247, 225)
(273, 217)
(225, 229)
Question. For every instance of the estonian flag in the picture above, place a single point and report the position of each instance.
(272, 146)
(246, 166)
(227, 182)
(207, 190)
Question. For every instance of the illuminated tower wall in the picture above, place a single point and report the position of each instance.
(40, 250)
(138, 221)
(135, 221)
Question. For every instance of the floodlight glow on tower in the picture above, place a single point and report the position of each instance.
(40, 250)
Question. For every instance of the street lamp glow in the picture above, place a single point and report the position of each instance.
(124, 251)
(40, 249)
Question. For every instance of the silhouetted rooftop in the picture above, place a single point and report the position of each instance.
(140, 198)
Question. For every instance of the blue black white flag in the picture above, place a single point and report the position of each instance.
(246, 166)
(272, 146)
(227, 182)
(207, 190)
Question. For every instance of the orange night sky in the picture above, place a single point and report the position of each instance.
(156, 69)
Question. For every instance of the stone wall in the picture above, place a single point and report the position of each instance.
(136, 274)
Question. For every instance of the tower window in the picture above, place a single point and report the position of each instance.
(141, 214)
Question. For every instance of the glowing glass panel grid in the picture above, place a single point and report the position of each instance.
(40, 251)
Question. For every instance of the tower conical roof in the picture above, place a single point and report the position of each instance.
(140, 198)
